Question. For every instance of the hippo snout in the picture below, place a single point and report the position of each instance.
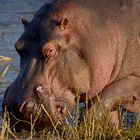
(27, 106)
(25, 115)
(20, 109)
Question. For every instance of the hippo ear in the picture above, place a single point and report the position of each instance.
(24, 22)
(64, 23)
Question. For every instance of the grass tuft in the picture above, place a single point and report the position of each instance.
(3, 58)
(90, 128)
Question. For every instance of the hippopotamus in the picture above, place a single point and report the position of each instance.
(76, 49)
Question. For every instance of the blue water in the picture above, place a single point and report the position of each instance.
(11, 28)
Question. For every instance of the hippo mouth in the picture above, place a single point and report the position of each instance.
(45, 109)
(28, 121)
(37, 118)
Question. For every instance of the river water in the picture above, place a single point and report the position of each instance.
(11, 28)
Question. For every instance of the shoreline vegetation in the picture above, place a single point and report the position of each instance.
(91, 128)
(4, 58)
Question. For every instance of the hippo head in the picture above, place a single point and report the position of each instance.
(51, 72)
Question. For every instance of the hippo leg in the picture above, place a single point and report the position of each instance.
(125, 91)
(113, 118)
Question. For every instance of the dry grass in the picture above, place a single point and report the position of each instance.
(4, 72)
(3, 58)
(90, 128)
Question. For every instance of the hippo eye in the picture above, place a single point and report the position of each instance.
(54, 24)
